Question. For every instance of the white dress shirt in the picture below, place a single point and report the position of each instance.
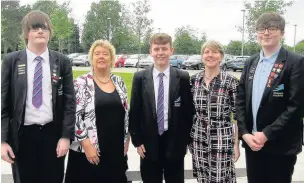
(43, 114)
(166, 80)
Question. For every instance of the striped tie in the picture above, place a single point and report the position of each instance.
(37, 83)
(160, 105)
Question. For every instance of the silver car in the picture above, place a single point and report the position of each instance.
(82, 60)
(146, 62)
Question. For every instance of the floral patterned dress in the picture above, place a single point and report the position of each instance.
(212, 132)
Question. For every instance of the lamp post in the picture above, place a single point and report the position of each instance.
(109, 29)
(243, 29)
(158, 30)
(294, 39)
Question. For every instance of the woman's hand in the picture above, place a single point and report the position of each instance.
(90, 151)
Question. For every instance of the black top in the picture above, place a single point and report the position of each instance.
(109, 122)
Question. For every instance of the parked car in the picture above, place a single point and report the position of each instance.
(120, 62)
(193, 62)
(82, 60)
(146, 62)
(132, 61)
(177, 60)
(235, 63)
(74, 55)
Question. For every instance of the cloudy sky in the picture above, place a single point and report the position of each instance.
(217, 18)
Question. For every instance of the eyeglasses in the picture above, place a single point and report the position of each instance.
(37, 29)
(271, 30)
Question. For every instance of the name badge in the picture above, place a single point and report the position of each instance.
(21, 69)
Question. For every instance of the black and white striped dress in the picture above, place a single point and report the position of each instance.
(213, 131)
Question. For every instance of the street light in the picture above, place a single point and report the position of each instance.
(243, 29)
(158, 30)
(109, 29)
(294, 39)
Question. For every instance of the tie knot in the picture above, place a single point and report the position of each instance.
(38, 58)
(161, 75)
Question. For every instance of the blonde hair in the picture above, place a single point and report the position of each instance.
(105, 44)
(213, 45)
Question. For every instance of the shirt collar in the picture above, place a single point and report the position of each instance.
(31, 56)
(271, 58)
(166, 72)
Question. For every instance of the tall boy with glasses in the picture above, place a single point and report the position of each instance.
(269, 105)
(37, 106)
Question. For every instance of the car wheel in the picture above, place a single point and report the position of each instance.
(119, 65)
(179, 66)
(234, 70)
(87, 64)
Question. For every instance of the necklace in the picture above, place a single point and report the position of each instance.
(103, 82)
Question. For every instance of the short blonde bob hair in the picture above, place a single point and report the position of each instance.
(105, 44)
(213, 45)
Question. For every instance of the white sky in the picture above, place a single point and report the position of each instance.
(217, 18)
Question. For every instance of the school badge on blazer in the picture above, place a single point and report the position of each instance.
(279, 91)
(177, 102)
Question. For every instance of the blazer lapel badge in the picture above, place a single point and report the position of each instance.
(54, 76)
(274, 74)
(252, 72)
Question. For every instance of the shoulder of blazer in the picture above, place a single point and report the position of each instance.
(252, 58)
(61, 57)
(182, 74)
(13, 55)
(293, 57)
(140, 74)
(10, 58)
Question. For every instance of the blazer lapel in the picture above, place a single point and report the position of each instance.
(22, 76)
(276, 71)
(55, 74)
(252, 70)
(149, 90)
(173, 88)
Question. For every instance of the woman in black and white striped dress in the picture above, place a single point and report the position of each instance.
(215, 145)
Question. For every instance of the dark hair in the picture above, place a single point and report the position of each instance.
(271, 19)
(161, 38)
(35, 19)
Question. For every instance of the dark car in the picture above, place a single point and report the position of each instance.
(235, 64)
(193, 62)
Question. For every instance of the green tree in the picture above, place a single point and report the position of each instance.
(141, 22)
(186, 41)
(255, 8)
(74, 39)
(11, 17)
(145, 47)
(234, 48)
(105, 17)
(251, 48)
(62, 25)
(300, 47)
